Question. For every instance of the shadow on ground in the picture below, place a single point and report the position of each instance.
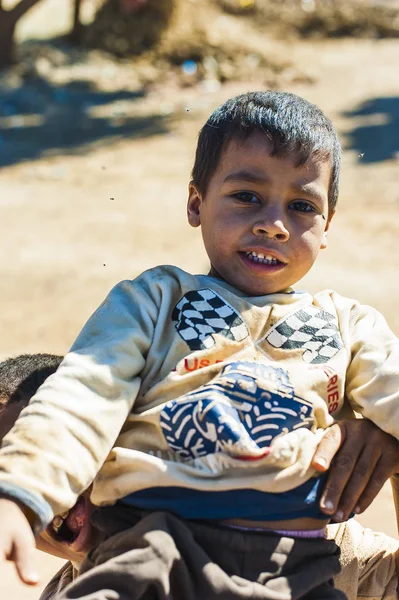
(375, 135)
(38, 118)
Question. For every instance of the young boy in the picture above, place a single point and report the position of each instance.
(20, 378)
(201, 399)
(367, 558)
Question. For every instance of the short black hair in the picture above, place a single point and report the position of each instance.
(21, 376)
(292, 124)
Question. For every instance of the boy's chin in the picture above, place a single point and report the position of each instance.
(74, 538)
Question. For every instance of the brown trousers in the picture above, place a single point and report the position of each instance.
(160, 557)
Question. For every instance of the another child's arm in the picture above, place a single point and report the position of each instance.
(17, 542)
(361, 458)
(63, 437)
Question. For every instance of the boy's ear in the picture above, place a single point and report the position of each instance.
(324, 241)
(194, 205)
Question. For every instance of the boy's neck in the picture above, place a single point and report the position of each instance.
(213, 273)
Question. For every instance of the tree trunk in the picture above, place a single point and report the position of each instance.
(7, 29)
(8, 21)
(76, 32)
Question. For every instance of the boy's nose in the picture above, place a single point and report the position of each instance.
(271, 227)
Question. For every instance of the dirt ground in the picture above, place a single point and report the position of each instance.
(75, 219)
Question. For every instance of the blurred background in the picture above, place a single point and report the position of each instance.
(100, 106)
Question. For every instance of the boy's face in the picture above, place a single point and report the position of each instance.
(67, 544)
(263, 219)
(71, 544)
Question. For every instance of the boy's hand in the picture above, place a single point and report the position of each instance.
(362, 458)
(17, 541)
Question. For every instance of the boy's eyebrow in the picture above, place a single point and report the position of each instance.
(251, 176)
(310, 190)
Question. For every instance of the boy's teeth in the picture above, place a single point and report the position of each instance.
(57, 523)
(259, 257)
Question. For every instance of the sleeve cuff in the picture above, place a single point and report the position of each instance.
(42, 511)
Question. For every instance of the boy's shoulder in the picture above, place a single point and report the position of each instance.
(159, 276)
(165, 273)
(340, 302)
(344, 304)
(352, 313)
(160, 284)
(161, 273)
(170, 277)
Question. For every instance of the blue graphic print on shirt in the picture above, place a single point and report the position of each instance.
(238, 413)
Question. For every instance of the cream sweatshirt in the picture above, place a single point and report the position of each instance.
(180, 382)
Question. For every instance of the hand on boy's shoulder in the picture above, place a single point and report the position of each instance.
(17, 541)
(361, 457)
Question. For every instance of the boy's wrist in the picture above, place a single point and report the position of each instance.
(27, 512)
(37, 511)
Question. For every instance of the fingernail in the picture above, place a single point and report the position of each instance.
(339, 515)
(321, 462)
(357, 510)
(32, 577)
(328, 505)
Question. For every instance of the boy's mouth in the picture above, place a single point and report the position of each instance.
(262, 258)
(265, 259)
(73, 527)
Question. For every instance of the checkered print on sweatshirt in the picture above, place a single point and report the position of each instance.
(311, 329)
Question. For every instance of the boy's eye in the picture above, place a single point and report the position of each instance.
(246, 197)
(303, 206)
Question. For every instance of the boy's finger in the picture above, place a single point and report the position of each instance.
(24, 559)
(327, 448)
